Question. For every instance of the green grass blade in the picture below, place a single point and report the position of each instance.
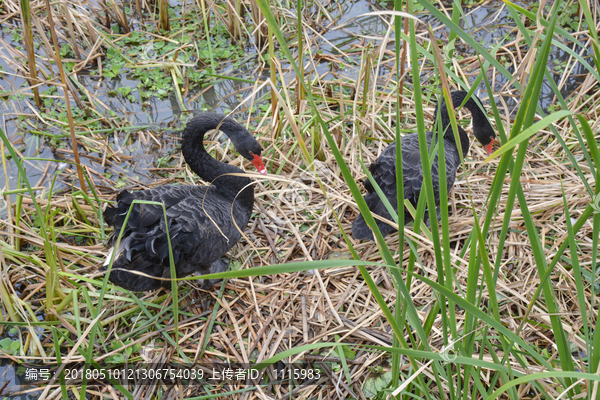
(527, 133)
(544, 375)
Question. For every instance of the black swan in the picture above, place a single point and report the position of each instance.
(199, 217)
(384, 168)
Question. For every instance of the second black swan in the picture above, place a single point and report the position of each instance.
(384, 168)
(199, 218)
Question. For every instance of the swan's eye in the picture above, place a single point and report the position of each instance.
(251, 153)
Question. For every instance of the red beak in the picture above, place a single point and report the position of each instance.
(488, 147)
(258, 163)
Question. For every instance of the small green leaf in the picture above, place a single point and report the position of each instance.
(125, 90)
(115, 69)
(5, 343)
(375, 385)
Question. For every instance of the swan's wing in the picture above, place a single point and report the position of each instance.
(142, 215)
(199, 227)
(205, 228)
(384, 173)
(412, 168)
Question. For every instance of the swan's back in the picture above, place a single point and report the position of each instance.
(200, 227)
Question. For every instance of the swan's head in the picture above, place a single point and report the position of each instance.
(484, 132)
(482, 129)
(246, 145)
(258, 163)
(251, 150)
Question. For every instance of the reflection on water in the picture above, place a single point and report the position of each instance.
(15, 383)
(351, 30)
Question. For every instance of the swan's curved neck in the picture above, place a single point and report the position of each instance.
(205, 166)
(479, 118)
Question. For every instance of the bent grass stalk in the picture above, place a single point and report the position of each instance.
(444, 263)
(399, 315)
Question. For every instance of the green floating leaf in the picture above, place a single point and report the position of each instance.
(5, 343)
(125, 90)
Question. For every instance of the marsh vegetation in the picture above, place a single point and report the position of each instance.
(497, 300)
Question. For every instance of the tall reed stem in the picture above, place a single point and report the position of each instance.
(206, 31)
(272, 68)
(163, 6)
(63, 80)
(28, 38)
(299, 88)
